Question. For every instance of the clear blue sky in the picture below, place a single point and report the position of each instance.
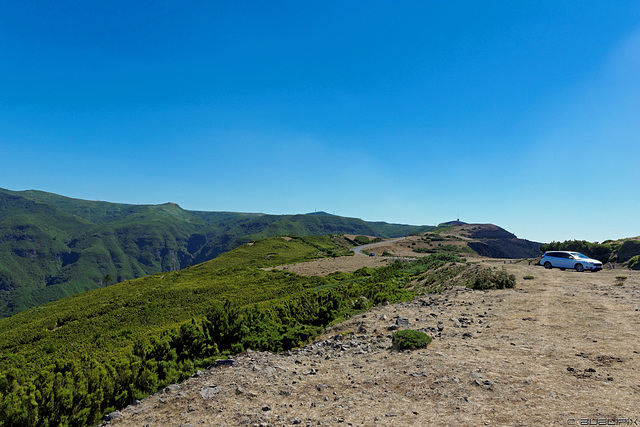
(525, 114)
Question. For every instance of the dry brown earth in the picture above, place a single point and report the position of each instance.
(558, 349)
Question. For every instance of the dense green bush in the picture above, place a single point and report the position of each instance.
(629, 250)
(361, 240)
(599, 251)
(409, 339)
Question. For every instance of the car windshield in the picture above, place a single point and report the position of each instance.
(577, 255)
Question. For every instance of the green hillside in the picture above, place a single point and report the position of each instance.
(73, 360)
(53, 246)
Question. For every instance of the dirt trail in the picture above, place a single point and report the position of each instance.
(558, 349)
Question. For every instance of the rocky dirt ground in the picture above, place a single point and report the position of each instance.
(559, 349)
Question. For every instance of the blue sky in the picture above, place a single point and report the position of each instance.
(522, 114)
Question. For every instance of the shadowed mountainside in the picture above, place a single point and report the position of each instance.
(490, 240)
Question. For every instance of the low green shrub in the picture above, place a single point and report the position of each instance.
(408, 339)
(528, 277)
(361, 240)
(492, 279)
(620, 280)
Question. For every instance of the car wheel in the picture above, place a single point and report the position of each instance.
(579, 268)
(547, 265)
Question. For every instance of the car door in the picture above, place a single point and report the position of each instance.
(553, 258)
(567, 260)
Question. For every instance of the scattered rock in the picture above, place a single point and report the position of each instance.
(113, 416)
(209, 391)
(402, 322)
(486, 384)
(172, 388)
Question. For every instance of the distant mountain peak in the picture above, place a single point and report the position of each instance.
(450, 223)
(320, 213)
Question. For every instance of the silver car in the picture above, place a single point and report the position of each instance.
(568, 259)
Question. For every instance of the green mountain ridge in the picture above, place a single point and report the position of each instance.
(53, 246)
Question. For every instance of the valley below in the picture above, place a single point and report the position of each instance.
(561, 348)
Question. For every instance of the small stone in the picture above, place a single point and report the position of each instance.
(486, 384)
(402, 322)
(209, 391)
(171, 388)
(115, 415)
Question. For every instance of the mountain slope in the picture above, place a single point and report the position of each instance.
(53, 246)
(71, 361)
(492, 241)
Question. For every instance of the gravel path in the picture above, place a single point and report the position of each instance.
(358, 249)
